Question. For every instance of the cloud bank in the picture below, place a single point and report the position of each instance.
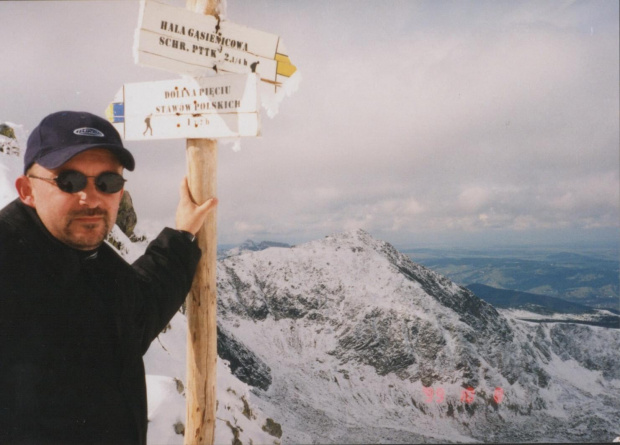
(415, 120)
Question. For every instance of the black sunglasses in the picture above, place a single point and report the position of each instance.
(71, 181)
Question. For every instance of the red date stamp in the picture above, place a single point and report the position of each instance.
(468, 395)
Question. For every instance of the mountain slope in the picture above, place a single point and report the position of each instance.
(366, 346)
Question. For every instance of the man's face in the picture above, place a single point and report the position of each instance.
(81, 220)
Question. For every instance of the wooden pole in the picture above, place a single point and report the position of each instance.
(202, 303)
(201, 312)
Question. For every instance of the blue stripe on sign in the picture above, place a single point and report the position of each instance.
(119, 112)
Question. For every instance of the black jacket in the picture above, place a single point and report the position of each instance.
(73, 330)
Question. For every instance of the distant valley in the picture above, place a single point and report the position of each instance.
(590, 278)
(545, 309)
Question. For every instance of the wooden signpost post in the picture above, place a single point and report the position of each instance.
(201, 395)
(195, 42)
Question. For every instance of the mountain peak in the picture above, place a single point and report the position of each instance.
(251, 246)
(353, 234)
(354, 238)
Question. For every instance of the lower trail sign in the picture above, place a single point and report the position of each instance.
(207, 107)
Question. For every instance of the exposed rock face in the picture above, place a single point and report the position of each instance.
(126, 218)
(354, 331)
(244, 364)
(8, 140)
(7, 131)
(567, 341)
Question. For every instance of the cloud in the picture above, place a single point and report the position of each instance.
(412, 117)
(474, 198)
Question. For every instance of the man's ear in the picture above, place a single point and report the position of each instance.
(24, 189)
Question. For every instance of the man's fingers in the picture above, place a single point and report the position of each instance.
(184, 190)
(191, 216)
(186, 194)
(208, 205)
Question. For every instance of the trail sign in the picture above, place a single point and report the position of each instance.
(207, 107)
(182, 41)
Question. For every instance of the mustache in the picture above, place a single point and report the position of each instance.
(89, 212)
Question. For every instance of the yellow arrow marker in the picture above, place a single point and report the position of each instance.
(285, 67)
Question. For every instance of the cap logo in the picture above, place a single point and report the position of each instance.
(86, 131)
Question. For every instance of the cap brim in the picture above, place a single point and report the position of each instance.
(57, 158)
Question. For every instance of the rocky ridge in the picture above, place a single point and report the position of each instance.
(251, 246)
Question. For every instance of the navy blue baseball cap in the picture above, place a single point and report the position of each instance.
(64, 134)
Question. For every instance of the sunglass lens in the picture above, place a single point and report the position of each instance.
(109, 182)
(71, 181)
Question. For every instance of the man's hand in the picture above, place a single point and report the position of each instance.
(191, 216)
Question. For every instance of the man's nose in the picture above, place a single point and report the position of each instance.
(90, 196)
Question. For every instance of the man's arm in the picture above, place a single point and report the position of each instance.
(168, 266)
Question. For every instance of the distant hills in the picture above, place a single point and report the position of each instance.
(541, 304)
(585, 279)
(544, 305)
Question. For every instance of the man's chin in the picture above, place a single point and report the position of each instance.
(88, 238)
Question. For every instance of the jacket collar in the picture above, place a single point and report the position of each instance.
(63, 260)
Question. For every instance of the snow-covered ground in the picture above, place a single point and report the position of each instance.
(165, 366)
(10, 169)
(523, 314)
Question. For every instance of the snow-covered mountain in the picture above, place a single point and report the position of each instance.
(356, 343)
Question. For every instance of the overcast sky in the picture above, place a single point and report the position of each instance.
(483, 122)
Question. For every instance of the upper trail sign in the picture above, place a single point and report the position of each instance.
(185, 42)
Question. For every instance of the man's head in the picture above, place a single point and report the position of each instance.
(74, 142)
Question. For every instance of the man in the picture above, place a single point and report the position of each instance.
(75, 318)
